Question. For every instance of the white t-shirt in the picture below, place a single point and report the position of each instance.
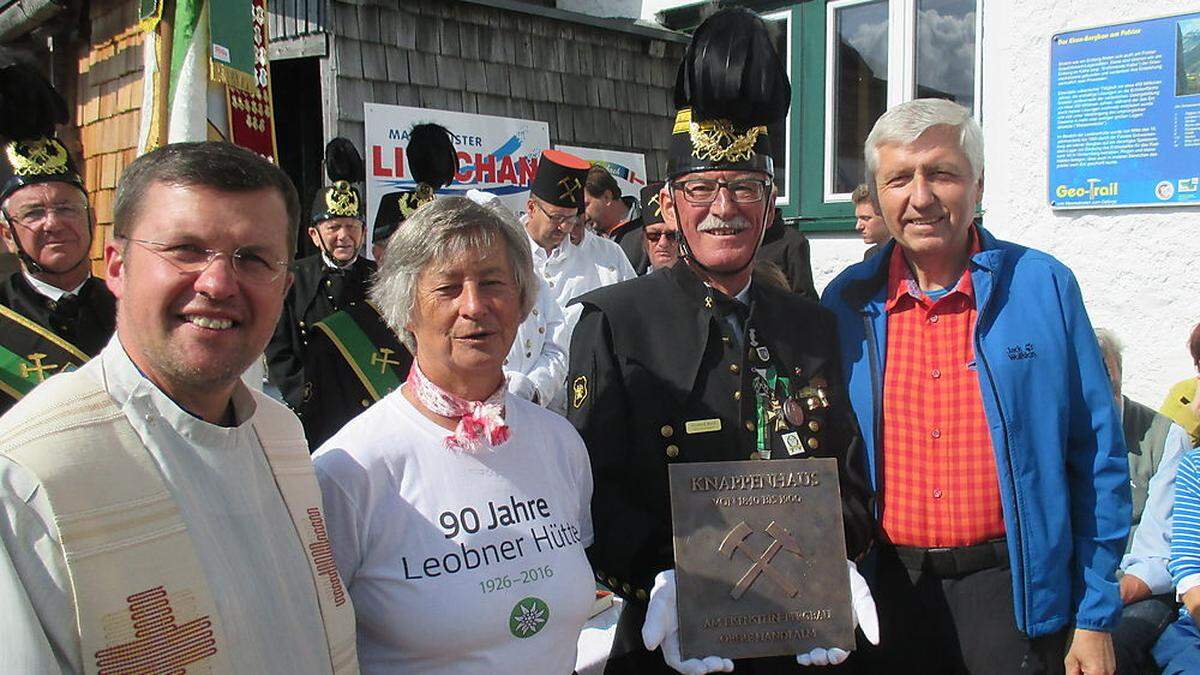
(461, 563)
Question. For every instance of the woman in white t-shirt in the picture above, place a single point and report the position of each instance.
(459, 514)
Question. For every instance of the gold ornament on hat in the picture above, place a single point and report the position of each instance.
(39, 157)
(342, 200)
(717, 140)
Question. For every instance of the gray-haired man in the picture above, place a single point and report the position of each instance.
(993, 445)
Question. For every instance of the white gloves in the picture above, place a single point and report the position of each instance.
(662, 628)
(865, 618)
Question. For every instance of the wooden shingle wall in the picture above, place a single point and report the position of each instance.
(594, 87)
(108, 99)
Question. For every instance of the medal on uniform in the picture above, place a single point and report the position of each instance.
(793, 412)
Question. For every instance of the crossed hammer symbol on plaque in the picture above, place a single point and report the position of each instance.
(736, 541)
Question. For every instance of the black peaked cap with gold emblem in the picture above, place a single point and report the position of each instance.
(432, 161)
(30, 108)
(560, 179)
(731, 85)
(344, 166)
(651, 211)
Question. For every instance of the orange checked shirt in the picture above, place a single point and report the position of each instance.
(939, 484)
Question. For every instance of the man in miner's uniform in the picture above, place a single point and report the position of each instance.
(331, 279)
(691, 363)
(54, 315)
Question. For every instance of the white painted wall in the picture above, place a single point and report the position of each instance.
(1137, 267)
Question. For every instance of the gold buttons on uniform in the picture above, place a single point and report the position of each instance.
(814, 443)
(627, 588)
(733, 368)
(641, 594)
(814, 425)
(737, 395)
(672, 450)
(541, 329)
(666, 431)
(366, 403)
(749, 425)
(612, 582)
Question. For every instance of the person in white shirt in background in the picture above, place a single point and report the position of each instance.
(555, 210)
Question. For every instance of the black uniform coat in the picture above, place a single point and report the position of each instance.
(787, 247)
(86, 321)
(649, 355)
(317, 291)
(336, 394)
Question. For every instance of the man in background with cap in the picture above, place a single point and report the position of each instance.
(333, 278)
(555, 208)
(688, 363)
(633, 238)
(54, 315)
(660, 239)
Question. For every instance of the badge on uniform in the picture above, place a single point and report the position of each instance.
(791, 441)
(763, 354)
(579, 392)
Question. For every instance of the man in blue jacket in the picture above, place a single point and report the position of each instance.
(993, 444)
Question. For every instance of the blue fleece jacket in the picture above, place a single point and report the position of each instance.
(1060, 453)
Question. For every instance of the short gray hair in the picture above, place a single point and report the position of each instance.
(1110, 345)
(439, 231)
(904, 123)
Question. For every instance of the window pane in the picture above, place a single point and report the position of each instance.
(860, 63)
(946, 50)
(778, 132)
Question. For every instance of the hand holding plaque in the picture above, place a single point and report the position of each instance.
(662, 628)
(760, 560)
(865, 617)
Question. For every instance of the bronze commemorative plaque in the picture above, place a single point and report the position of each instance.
(760, 558)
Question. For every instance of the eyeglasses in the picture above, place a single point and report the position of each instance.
(702, 191)
(671, 235)
(192, 259)
(37, 214)
(558, 221)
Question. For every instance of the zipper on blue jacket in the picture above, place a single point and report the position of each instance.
(877, 404)
(1019, 563)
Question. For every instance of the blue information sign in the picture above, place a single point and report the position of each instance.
(1125, 115)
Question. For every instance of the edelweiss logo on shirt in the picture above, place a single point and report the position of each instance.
(528, 617)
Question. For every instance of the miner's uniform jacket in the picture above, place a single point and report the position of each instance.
(40, 337)
(317, 291)
(352, 360)
(658, 374)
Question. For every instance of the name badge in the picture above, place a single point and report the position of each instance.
(702, 426)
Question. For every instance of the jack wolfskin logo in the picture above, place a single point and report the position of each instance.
(1019, 352)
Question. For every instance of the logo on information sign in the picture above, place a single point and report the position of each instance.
(1164, 190)
(528, 618)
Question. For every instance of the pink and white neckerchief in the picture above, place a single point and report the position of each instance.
(479, 422)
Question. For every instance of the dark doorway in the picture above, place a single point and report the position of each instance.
(296, 88)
